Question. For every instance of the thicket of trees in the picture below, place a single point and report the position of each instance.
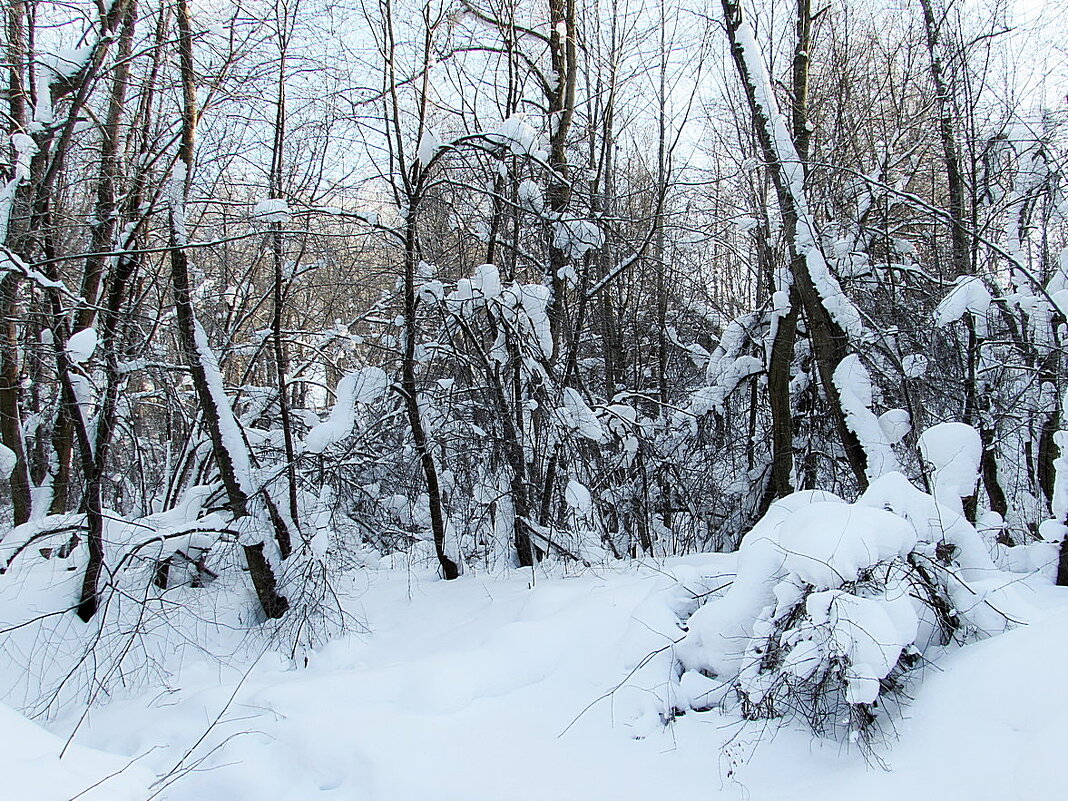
(287, 282)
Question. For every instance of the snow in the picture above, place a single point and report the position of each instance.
(65, 63)
(731, 374)
(575, 415)
(531, 196)
(578, 497)
(230, 429)
(460, 687)
(896, 424)
(806, 239)
(953, 450)
(969, 295)
(534, 300)
(864, 631)
(486, 281)
(82, 345)
(363, 386)
(718, 630)
(1059, 504)
(842, 590)
(33, 769)
(8, 461)
(24, 148)
(577, 237)
(914, 365)
(828, 544)
(272, 210)
(517, 135)
(854, 386)
(429, 144)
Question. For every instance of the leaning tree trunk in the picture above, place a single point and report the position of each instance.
(228, 446)
(829, 314)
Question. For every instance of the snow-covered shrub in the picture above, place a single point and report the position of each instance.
(834, 603)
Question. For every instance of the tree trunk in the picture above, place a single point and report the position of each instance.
(826, 328)
(227, 444)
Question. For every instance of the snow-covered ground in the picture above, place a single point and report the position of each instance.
(488, 689)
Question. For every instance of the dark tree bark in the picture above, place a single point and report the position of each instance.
(830, 342)
(213, 403)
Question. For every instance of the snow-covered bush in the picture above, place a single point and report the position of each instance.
(834, 603)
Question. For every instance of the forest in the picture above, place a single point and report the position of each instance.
(571, 374)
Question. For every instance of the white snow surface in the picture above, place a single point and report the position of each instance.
(896, 424)
(32, 769)
(827, 544)
(461, 688)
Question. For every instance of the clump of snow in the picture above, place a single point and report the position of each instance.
(854, 386)
(1059, 503)
(896, 424)
(8, 461)
(534, 301)
(531, 196)
(82, 345)
(731, 374)
(578, 497)
(576, 416)
(865, 633)
(914, 365)
(65, 63)
(835, 602)
(969, 295)
(953, 450)
(429, 144)
(829, 544)
(487, 281)
(272, 210)
(363, 386)
(577, 237)
(517, 135)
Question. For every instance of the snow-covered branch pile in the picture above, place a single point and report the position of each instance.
(834, 603)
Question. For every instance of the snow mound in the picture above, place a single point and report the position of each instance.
(969, 295)
(33, 769)
(953, 450)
